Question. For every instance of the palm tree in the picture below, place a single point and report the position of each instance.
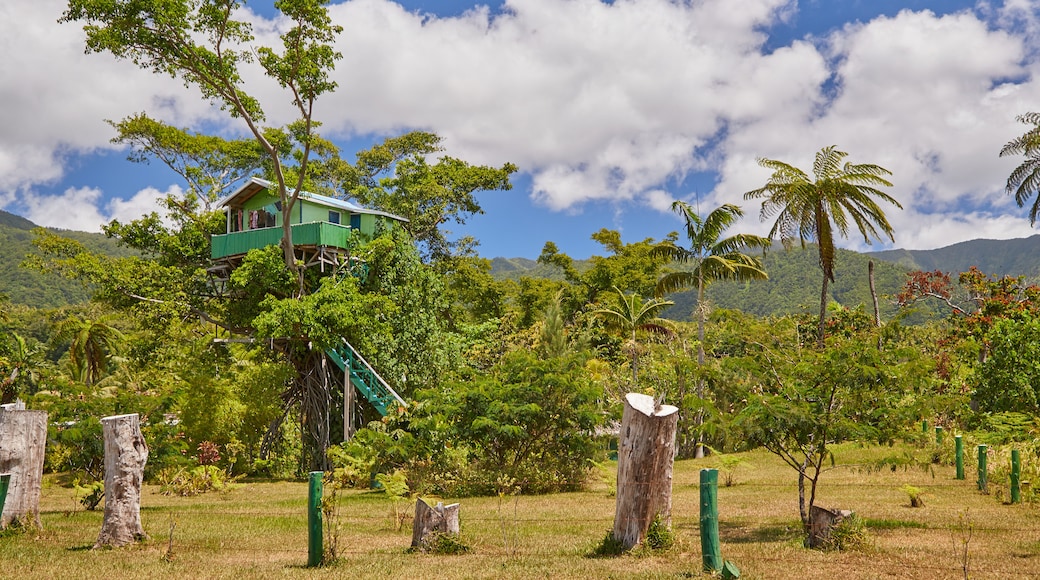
(712, 259)
(632, 316)
(813, 209)
(1024, 181)
(92, 344)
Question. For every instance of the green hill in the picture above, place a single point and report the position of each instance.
(1018, 257)
(32, 288)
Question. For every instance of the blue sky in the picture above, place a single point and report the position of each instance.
(611, 109)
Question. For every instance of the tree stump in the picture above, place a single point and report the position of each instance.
(821, 522)
(440, 518)
(23, 441)
(125, 456)
(646, 450)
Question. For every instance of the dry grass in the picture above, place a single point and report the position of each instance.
(259, 531)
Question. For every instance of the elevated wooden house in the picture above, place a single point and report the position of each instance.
(321, 226)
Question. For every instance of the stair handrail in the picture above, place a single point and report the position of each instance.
(374, 373)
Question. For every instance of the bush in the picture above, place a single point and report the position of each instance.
(850, 534)
(191, 482)
(529, 425)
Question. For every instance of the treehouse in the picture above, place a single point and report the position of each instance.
(322, 228)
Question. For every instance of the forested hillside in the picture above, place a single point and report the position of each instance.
(1018, 257)
(24, 286)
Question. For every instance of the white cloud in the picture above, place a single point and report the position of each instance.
(75, 209)
(55, 98)
(598, 102)
(79, 208)
(927, 97)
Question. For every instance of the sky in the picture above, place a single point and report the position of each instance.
(611, 110)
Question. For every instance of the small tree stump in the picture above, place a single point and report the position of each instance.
(23, 441)
(646, 451)
(821, 522)
(440, 518)
(125, 456)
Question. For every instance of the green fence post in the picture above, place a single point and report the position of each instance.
(711, 552)
(982, 468)
(938, 435)
(1016, 466)
(315, 545)
(924, 427)
(5, 480)
(958, 442)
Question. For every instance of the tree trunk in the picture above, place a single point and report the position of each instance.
(823, 314)
(646, 450)
(23, 440)
(125, 456)
(873, 293)
(821, 522)
(440, 518)
(702, 314)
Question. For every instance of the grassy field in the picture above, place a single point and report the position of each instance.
(259, 531)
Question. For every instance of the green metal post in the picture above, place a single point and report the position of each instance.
(924, 426)
(958, 442)
(315, 545)
(938, 435)
(1016, 471)
(5, 480)
(982, 468)
(711, 551)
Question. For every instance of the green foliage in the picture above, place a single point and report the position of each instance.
(395, 486)
(659, 536)
(397, 177)
(807, 400)
(916, 495)
(608, 547)
(89, 495)
(529, 424)
(814, 209)
(1024, 181)
(1009, 378)
(195, 481)
(850, 534)
(443, 543)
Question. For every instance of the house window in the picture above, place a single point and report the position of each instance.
(355, 221)
(334, 217)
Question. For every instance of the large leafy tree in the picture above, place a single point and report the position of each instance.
(814, 208)
(1024, 181)
(397, 176)
(713, 258)
(201, 43)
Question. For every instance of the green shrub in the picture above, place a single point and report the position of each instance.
(89, 495)
(191, 482)
(850, 534)
(442, 543)
(659, 537)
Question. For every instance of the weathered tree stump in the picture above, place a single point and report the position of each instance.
(646, 450)
(23, 441)
(821, 522)
(440, 518)
(125, 456)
